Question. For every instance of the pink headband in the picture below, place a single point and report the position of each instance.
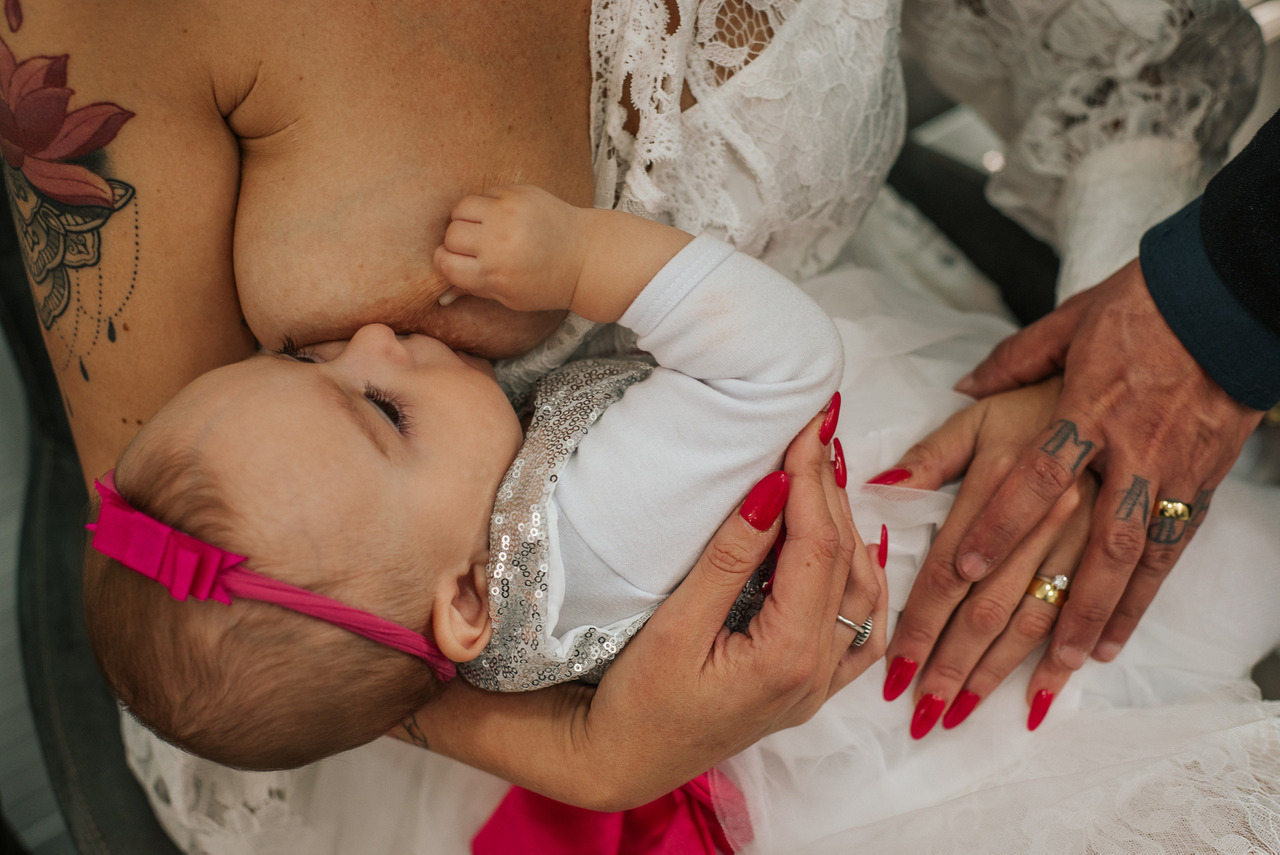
(188, 566)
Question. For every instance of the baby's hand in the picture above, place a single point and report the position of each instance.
(518, 245)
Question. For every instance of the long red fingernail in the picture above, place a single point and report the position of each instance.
(828, 428)
(1039, 708)
(926, 715)
(960, 709)
(892, 476)
(766, 500)
(842, 474)
(882, 553)
(901, 670)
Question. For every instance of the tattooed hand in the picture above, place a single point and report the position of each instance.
(971, 635)
(1137, 409)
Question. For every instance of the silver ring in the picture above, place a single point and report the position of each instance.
(864, 631)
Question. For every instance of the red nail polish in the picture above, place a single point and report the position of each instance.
(892, 476)
(842, 474)
(882, 553)
(901, 670)
(828, 428)
(766, 500)
(926, 715)
(960, 709)
(1039, 708)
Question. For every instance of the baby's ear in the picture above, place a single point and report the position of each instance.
(460, 613)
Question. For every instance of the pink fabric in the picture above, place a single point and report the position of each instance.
(189, 567)
(683, 822)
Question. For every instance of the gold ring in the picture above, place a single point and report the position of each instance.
(1172, 510)
(1052, 591)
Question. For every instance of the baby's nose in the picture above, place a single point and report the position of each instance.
(381, 340)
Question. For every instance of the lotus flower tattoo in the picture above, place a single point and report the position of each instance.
(38, 136)
(59, 204)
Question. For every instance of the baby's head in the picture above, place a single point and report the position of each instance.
(364, 471)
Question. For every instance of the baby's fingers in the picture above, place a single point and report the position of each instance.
(461, 271)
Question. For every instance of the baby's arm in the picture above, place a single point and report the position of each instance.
(745, 361)
(530, 251)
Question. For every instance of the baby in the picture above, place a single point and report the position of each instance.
(388, 502)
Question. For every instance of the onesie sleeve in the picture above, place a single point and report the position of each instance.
(745, 360)
(1113, 111)
(1213, 270)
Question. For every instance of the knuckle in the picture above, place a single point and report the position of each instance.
(923, 451)
(869, 589)
(825, 550)
(1034, 625)
(917, 636)
(987, 615)
(1091, 615)
(949, 672)
(945, 581)
(1128, 612)
(1157, 560)
(1153, 573)
(799, 676)
(1050, 477)
(729, 557)
(1124, 544)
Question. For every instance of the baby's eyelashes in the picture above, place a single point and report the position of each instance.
(289, 347)
(391, 406)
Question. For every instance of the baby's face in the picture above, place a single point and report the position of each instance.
(390, 440)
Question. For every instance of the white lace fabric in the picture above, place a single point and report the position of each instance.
(799, 113)
(1062, 79)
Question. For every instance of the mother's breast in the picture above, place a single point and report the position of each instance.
(357, 141)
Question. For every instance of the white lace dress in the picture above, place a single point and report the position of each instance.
(773, 125)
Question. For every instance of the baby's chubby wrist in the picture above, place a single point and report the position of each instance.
(620, 255)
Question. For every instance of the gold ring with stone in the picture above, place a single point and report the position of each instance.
(1052, 591)
(1173, 510)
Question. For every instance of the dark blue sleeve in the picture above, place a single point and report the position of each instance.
(1213, 270)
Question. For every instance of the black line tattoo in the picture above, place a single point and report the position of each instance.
(1065, 442)
(414, 731)
(1166, 531)
(1200, 507)
(1136, 498)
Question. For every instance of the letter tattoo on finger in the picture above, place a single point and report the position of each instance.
(1136, 498)
(1067, 446)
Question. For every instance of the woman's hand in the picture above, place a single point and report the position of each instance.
(970, 636)
(685, 694)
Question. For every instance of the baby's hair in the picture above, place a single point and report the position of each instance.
(250, 685)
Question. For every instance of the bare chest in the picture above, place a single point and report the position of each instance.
(363, 128)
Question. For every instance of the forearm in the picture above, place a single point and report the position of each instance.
(556, 754)
(622, 254)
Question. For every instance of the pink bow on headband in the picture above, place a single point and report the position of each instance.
(188, 566)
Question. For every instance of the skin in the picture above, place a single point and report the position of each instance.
(1136, 420)
(393, 443)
